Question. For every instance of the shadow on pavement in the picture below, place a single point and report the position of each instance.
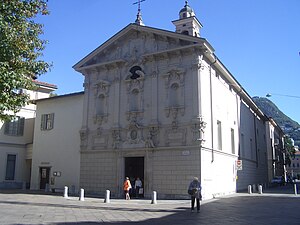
(240, 209)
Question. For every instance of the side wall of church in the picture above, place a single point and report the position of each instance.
(253, 149)
(219, 152)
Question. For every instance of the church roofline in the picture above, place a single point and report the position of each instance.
(137, 27)
(60, 96)
(44, 84)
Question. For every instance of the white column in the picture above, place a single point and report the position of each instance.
(107, 196)
(154, 197)
(81, 197)
(66, 192)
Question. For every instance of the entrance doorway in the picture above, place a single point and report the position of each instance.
(134, 168)
(44, 176)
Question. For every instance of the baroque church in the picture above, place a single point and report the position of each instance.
(158, 105)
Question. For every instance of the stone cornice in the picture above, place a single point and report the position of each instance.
(174, 50)
(105, 65)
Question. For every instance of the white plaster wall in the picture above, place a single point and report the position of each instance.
(58, 148)
(16, 145)
(19, 151)
(218, 176)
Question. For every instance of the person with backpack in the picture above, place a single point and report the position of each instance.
(195, 193)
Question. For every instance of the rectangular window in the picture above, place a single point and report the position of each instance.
(47, 121)
(15, 127)
(232, 141)
(219, 125)
(10, 167)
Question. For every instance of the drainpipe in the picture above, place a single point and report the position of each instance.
(255, 136)
(211, 110)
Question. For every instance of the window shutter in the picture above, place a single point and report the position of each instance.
(6, 130)
(51, 121)
(43, 121)
(21, 123)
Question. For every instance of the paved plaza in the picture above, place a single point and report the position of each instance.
(276, 206)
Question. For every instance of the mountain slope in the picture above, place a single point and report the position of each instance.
(289, 126)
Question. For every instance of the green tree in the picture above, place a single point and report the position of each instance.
(20, 52)
(289, 150)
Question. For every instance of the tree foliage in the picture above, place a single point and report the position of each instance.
(20, 52)
(289, 150)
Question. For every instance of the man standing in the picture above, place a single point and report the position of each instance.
(195, 192)
(138, 186)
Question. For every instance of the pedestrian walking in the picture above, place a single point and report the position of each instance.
(195, 193)
(126, 188)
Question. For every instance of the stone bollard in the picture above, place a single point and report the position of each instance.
(154, 197)
(107, 196)
(81, 197)
(249, 189)
(259, 189)
(66, 192)
(295, 189)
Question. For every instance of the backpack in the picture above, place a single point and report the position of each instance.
(193, 190)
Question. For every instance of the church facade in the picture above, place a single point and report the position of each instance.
(160, 105)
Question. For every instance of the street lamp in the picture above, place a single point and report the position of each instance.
(290, 96)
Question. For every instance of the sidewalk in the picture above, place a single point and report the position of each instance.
(276, 206)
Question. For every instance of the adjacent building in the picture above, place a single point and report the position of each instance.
(16, 139)
(56, 146)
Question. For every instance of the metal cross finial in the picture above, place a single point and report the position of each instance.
(139, 20)
(139, 4)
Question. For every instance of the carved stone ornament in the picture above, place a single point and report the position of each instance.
(100, 139)
(116, 139)
(83, 137)
(134, 136)
(174, 83)
(101, 93)
(135, 80)
(135, 91)
(151, 140)
(198, 130)
(198, 63)
(174, 75)
(175, 136)
(174, 111)
(101, 87)
(100, 118)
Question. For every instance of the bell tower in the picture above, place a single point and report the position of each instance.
(187, 23)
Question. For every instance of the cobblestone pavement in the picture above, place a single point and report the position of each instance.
(276, 206)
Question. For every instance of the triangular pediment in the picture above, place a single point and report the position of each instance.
(135, 42)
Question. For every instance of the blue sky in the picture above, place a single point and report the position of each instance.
(257, 40)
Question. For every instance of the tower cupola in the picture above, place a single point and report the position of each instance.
(186, 11)
(187, 23)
